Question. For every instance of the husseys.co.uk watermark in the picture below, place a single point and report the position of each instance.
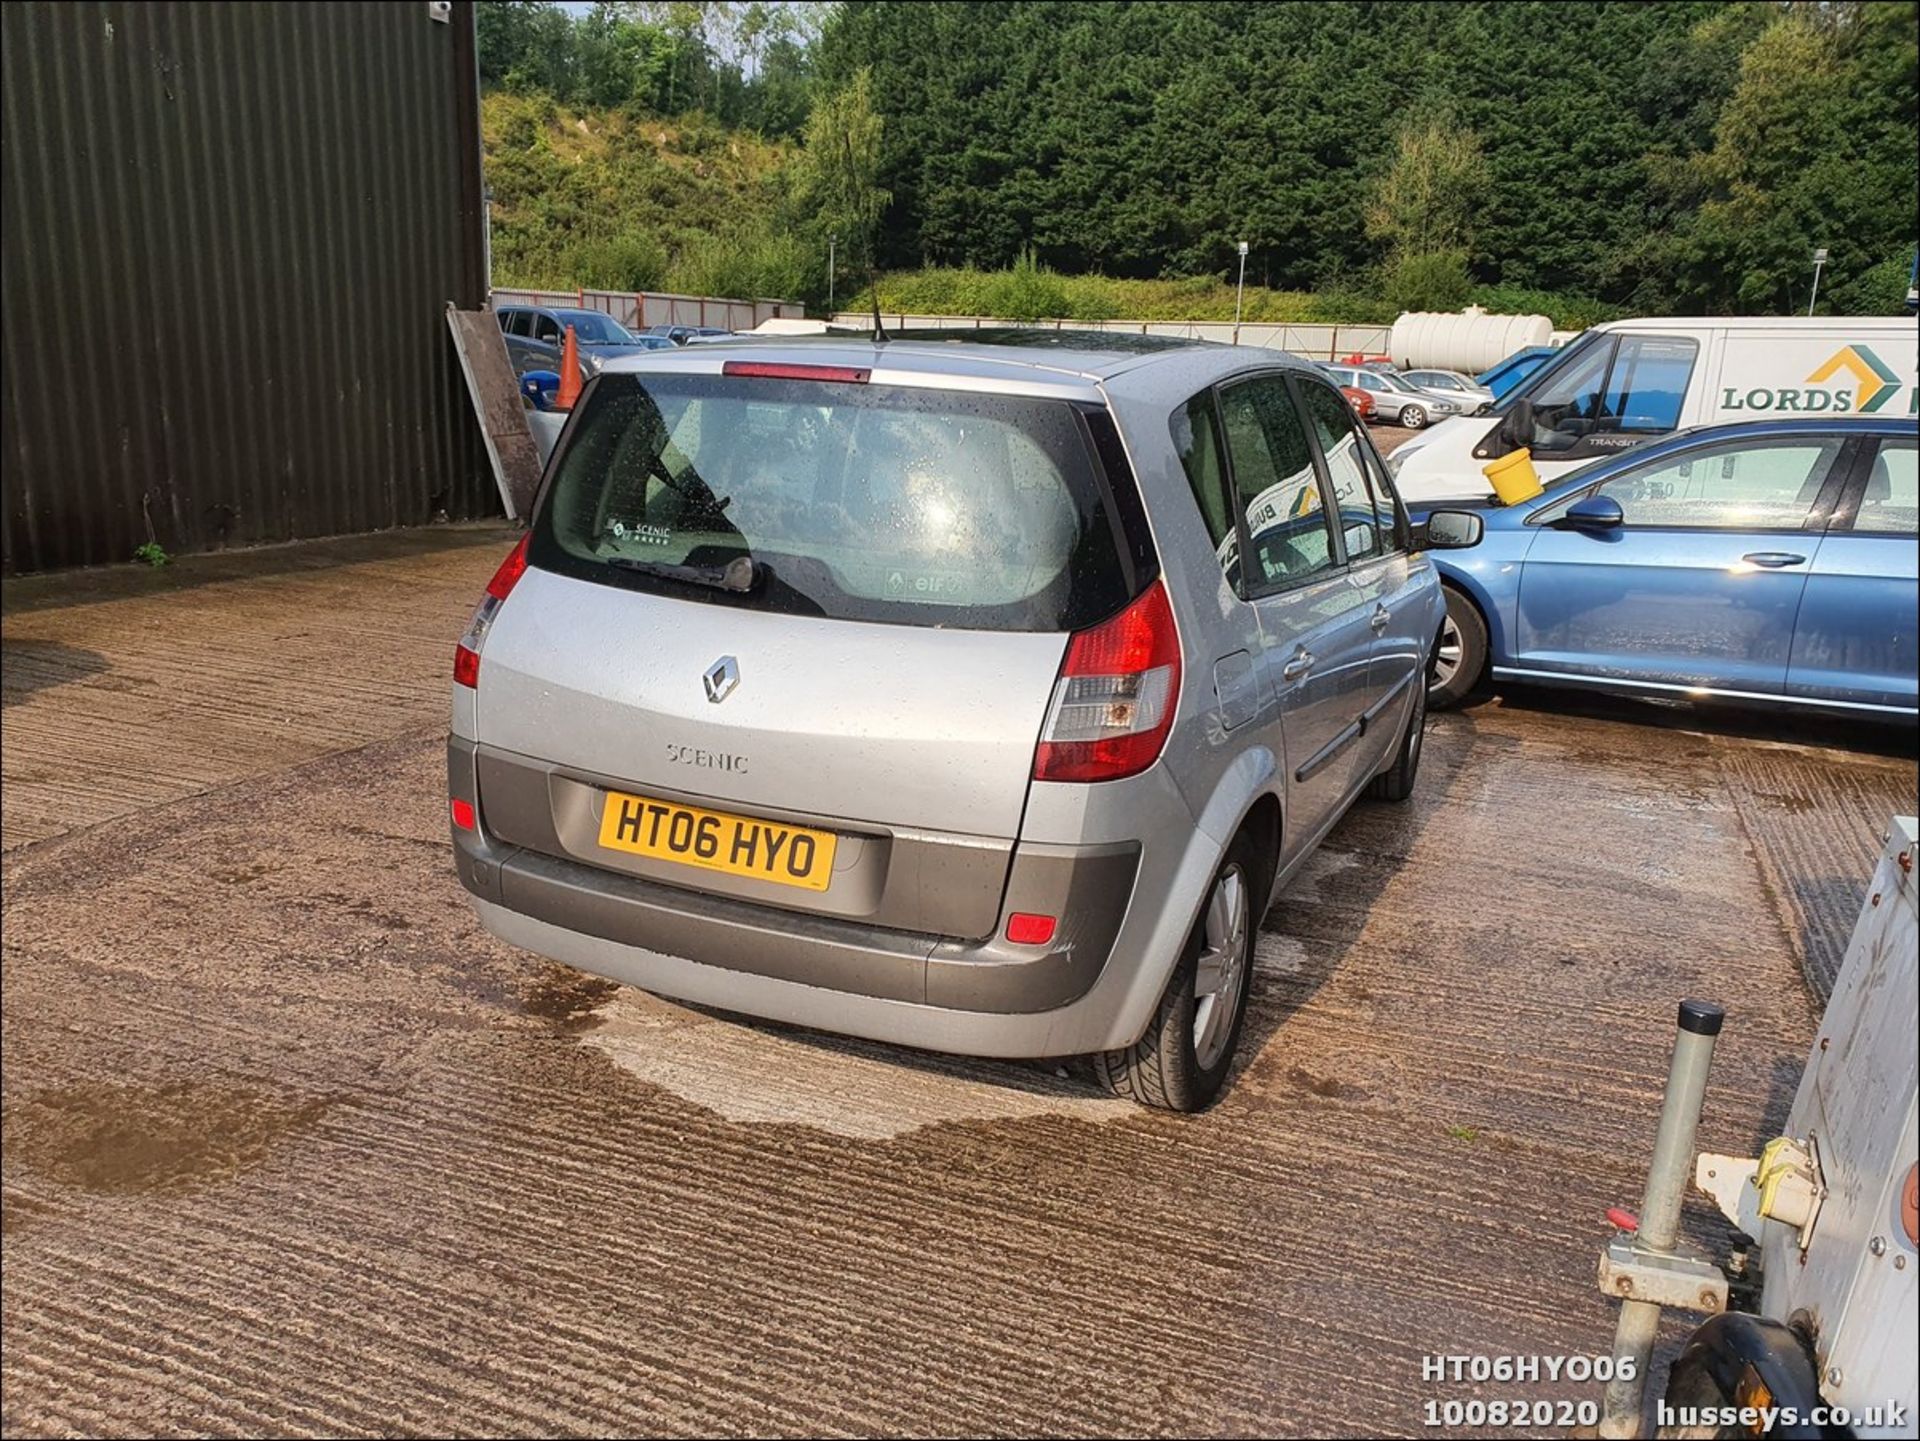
(1761, 1420)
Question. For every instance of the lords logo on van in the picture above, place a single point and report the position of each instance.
(1852, 379)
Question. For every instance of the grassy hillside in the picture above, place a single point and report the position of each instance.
(622, 201)
(1029, 291)
(626, 201)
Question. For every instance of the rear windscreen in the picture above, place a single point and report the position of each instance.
(851, 501)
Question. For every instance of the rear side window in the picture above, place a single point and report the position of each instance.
(1891, 503)
(851, 501)
(1275, 484)
(1346, 470)
(1196, 436)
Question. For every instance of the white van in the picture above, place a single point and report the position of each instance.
(1633, 380)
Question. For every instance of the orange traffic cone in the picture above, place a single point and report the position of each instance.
(569, 373)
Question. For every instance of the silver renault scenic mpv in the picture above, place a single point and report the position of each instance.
(973, 695)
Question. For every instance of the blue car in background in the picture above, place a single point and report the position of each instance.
(1766, 563)
(1515, 368)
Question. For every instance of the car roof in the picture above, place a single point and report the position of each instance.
(1850, 424)
(999, 353)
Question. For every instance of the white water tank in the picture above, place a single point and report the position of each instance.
(1471, 341)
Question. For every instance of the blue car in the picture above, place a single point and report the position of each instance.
(1769, 563)
(1515, 368)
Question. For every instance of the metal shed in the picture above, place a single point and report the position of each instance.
(230, 234)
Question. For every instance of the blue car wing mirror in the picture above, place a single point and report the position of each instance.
(1595, 512)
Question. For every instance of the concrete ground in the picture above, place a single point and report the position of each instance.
(291, 1146)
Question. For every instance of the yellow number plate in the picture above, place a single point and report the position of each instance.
(716, 841)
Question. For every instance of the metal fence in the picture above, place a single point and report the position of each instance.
(1313, 342)
(637, 310)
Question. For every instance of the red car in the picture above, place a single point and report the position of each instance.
(1361, 402)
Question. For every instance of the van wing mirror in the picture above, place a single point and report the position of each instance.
(1454, 529)
(1520, 422)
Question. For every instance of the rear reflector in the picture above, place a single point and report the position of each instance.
(463, 815)
(771, 370)
(466, 655)
(1024, 929)
(1114, 702)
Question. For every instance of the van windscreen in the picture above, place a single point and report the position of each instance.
(837, 499)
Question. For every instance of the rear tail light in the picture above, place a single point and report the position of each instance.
(466, 655)
(463, 815)
(1113, 704)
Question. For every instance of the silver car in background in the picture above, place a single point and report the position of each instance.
(1396, 400)
(970, 695)
(1452, 384)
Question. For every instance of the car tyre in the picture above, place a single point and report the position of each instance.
(1396, 782)
(1460, 655)
(1182, 1060)
(1413, 417)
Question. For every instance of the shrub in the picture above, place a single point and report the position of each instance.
(1028, 292)
(631, 261)
(1436, 280)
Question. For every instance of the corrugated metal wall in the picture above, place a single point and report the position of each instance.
(230, 234)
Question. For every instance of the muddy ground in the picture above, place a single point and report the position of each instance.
(291, 1146)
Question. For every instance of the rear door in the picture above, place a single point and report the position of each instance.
(917, 558)
(1855, 642)
(1316, 643)
(1701, 586)
(1387, 578)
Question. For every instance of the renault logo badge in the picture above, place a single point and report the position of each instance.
(722, 678)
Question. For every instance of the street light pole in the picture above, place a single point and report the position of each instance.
(831, 237)
(1238, 289)
(1819, 259)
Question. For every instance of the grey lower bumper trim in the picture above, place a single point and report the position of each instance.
(1087, 889)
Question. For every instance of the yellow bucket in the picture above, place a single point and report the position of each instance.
(1513, 476)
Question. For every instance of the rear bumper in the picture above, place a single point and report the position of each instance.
(742, 955)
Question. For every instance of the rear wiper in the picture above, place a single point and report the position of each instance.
(739, 575)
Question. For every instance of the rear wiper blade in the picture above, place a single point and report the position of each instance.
(739, 575)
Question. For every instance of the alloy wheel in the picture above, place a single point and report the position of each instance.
(1222, 966)
(1447, 657)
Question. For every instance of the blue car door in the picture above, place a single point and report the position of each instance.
(1699, 584)
(1855, 641)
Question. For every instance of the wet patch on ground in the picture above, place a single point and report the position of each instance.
(133, 1140)
(567, 997)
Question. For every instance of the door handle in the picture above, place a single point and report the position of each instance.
(1301, 663)
(1380, 618)
(1774, 559)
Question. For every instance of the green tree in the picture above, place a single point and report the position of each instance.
(1814, 147)
(1424, 202)
(838, 183)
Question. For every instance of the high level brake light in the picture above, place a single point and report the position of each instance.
(780, 370)
(1113, 704)
(466, 655)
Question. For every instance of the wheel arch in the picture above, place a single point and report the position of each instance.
(1491, 614)
(1247, 793)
